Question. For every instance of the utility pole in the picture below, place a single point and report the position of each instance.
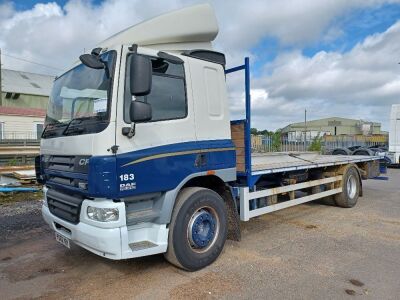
(305, 129)
(1, 90)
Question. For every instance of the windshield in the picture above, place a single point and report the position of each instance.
(81, 93)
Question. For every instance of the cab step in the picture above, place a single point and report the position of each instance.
(142, 245)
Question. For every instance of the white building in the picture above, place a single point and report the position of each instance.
(23, 103)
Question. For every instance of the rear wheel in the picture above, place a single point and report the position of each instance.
(351, 189)
(198, 229)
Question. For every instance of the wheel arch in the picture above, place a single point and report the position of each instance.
(218, 184)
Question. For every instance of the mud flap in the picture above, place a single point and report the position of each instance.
(360, 194)
(234, 232)
(372, 169)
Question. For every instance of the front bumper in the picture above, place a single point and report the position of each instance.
(113, 240)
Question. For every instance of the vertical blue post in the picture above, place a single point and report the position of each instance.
(248, 122)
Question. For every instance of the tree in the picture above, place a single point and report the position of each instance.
(254, 131)
(261, 132)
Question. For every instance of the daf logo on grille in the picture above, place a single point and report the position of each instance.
(84, 161)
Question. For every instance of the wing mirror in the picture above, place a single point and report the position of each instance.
(92, 61)
(140, 112)
(140, 75)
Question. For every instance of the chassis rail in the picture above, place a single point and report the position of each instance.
(334, 187)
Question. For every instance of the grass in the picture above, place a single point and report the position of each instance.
(7, 198)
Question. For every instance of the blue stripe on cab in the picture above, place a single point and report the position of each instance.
(151, 172)
(165, 173)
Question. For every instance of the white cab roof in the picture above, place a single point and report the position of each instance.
(177, 30)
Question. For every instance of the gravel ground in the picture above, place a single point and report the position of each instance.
(18, 218)
(310, 251)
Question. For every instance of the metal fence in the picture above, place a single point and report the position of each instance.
(19, 135)
(323, 144)
(19, 138)
(261, 143)
(333, 142)
(18, 147)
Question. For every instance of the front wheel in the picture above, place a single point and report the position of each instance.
(198, 229)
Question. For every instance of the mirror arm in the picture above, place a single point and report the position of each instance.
(106, 69)
(129, 132)
(133, 48)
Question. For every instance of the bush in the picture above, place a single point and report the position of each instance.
(316, 144)
(276, 141)
(12, 162)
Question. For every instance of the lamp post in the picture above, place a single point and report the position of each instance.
(305, 129)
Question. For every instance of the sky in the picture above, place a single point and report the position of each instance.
(333, 58)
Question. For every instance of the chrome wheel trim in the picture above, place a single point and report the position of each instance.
(351, 186)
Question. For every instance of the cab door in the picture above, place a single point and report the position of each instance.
(162, 151)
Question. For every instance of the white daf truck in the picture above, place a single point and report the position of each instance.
(139, 155)
(394, 135)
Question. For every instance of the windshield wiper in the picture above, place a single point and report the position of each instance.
(77, 129)
(47, 131)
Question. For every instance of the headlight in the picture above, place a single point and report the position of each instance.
(103, 214)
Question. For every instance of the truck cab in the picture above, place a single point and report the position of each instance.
(127, 127)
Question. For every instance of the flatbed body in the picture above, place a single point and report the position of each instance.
(323, 173)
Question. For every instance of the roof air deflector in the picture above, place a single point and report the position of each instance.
(208, 55)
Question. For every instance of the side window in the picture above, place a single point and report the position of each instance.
(168, 91)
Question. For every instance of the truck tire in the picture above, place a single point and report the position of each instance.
(363, 151)
(351, 189)
(341, 151)
(198, 229)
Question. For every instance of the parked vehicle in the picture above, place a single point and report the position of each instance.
(394, 135)
(139, 155)
(384, 159)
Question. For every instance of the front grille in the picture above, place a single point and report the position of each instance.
(68, 171)
(63, 180)
(61, 163)
(66, 207)
(78, 164)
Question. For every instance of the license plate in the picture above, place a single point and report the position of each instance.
(62, 239)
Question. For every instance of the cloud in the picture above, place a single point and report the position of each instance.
(360, 83)
(56, 35)
(49, 32)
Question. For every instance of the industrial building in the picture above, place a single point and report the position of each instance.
(331, 126)
(23, 103)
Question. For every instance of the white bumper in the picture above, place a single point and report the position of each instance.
(113, 240)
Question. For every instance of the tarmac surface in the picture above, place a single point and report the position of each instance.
(311, 251)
